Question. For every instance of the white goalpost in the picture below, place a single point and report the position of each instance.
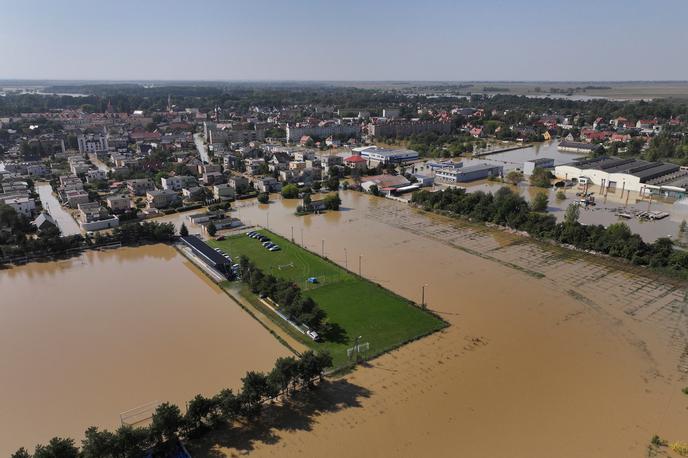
(138, 414)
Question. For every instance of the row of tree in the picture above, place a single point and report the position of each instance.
(202, 415)
(507, 208)
(285, 293)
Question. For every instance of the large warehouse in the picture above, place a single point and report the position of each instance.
(636, 175)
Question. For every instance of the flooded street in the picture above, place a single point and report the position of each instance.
(63, 219)
(550, 353)
(84, 339)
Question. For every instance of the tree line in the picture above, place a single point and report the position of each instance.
(285, 293)
(507, 208)
(203, 414)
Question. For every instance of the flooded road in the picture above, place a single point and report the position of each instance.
(85, 339)
(63, 219)
(550, 353)
(200, 146)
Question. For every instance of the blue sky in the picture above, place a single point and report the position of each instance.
(344, 40)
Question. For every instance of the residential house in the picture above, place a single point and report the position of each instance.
(161, 198)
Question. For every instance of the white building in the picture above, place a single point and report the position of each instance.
(176, 183)
(23, 205)
(92, 143)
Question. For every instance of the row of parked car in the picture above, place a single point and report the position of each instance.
(265, 241)
(235, 267)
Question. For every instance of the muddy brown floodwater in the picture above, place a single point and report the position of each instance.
(550, 353)
(84, 339)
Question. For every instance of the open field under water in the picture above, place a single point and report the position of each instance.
(550, 353)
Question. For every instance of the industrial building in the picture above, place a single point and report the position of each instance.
(578, 147)
(470, 173)
(375, 155)
(539, 163)
(640, 176)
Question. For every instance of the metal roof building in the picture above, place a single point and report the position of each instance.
(208, 255)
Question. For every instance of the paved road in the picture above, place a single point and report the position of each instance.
(200, 146)
(63, 219)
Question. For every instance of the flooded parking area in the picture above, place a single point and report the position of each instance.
(85, 339)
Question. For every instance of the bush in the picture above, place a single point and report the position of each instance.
(264, 198)
(561, 195)
(332, 201)
(290, 191)
(540, 202)
(542, 178)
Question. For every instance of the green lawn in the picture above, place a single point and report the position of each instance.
(359, 307)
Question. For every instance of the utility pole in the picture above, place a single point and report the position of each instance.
(267, 220)
(346, 260)
(302, 237)
(292, 234)
(359, 265)
(422, 296)
(322, 249)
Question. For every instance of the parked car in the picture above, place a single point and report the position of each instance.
(274, 248)
(313, 335)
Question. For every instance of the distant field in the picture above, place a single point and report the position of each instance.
(359, 307)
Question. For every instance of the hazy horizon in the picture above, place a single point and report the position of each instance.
(310, 41)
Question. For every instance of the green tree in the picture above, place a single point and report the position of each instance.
(21, 453)
(290, 191)
(514, 177)
(283, 374)
(229, 405)
(540, 202)
(199, 410)
(541, 178)
(332, 201)
(57, 448)
(130, 442)
(166, 421)
(572, 214)
(264, 198)
(374, 190)
(333, 183)
(183, 231)
(561, 195)
(212, 229)
(253, 391)
(98, 444)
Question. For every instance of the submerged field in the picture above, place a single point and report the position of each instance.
(358, 306)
